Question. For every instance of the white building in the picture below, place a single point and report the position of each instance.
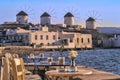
(52, 39)
(45, 19)
(90, 23)
(69, 19)
(115, 41)
(17, 37)
(22, 17)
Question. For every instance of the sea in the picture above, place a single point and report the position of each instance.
(102, 59)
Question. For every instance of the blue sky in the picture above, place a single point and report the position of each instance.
(106, 12)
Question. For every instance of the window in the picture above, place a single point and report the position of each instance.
(41, 37)
(77, 40)
(65, 42)
(71, 40)
(46, 37)
(81, 40)
(88, 40)
(48, 44)
(58, 37)
(53, 37)
(35, 37)
(41, 44)
(21, 36)
(26, 37)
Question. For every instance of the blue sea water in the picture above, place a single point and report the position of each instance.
(103, 59)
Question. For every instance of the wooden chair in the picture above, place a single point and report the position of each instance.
(15, 56)
(5, 69)
(61, 60)
(32, 55)
(41, 55)
(19, 71)
(50, 60)
(8, 55)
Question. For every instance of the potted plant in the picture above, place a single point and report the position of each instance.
(72, 55)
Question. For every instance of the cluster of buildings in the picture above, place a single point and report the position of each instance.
(46, 34)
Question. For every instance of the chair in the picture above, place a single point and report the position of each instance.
(15, 56)
(5, 69)
(19, 71)
(8, 55)
(61, 60)
(32, 55)
(50, 60)
(41, 55)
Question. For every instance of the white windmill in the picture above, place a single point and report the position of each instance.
(22, 17)
(45, 19)
(71, 17)
(92, 20)
(26, 15)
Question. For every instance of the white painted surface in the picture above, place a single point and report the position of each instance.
(69, 21)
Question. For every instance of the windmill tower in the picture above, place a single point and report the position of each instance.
(90, 23)
(22, 17)
(69, 19)
(45, 19)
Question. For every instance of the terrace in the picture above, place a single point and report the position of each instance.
(46, 66)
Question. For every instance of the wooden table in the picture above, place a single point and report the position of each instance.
(34, 59)
(56, 75)
(46, 66)
(84, 73)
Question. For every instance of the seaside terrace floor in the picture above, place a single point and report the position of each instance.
(95, 75)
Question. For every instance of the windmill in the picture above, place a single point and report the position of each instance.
(46, 15)
(28, 10)
(93, 19)
(73, 13)
(72, 18)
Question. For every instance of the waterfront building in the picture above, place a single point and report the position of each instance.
(45, 33)
(45, 38)
(116, 41)
(69, 19)
(90, 23)
(17, 37)
(45, 19)
(111, 42)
